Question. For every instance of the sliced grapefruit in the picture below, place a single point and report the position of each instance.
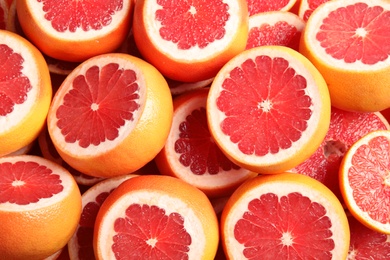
(80, 246)
(364, 180)
(25, 92)
(40, 206)
(156, 217)
(307, 7)
(284, 216)
(75, 30)
(344, 130)
(367, 243)
(111, 115)
(261, 6)
(190, 41)
(190, 153)
(268, 109)
(275, 28)
(349, 43)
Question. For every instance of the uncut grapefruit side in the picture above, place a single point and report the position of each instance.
(284, 216)
(111, 115)
(25, 92)
(4, 9)
(75, 30)
(268, 109)
(190, 41)
(348, 42)
(155, 217)
(40, 206)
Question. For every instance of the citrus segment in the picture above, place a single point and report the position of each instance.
(256, 6)
(111, 115)
(367, 243)
(25, 92)
(35, 196)
(275, 28)
(187, 37)
(80, 246)
(364, 180)
(345, 129)
(268, 109)
(190, 153)
(75, 30)
(156, 217)
(284, 216)
(348, 42)
(307, 7)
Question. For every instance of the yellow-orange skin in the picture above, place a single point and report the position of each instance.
(142, 144)
(174, 188)
(165, 167)
(37, 234)
(75, 50)
(186, 70)
(307, 183)
(351, 90)
(28, 129)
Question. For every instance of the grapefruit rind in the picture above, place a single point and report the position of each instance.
(312, 137)
(283, 184)
(348, 192)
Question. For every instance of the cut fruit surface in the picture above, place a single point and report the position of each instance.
(111, 115)
(261, 6)
(307, 7)
(25, 92)
(156, 217)
(35, 195)
(344, 130)
(364, 180)
(190, 36)
(190, 153)
(348, 42)
(80, 246)
(268, 109)
(275, 28)
(284, 216)
(75, 30)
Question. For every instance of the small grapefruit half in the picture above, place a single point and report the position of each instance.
(156, 217)
(349, 43)
(268, 109)
(284, 216)
(40, 206)
(364, 180)
(111, 115)
(25, 92)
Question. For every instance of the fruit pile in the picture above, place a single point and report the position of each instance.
(209, 129)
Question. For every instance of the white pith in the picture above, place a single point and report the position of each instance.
(348, 189)
(218, 116)
(31, 71)
(67, 182)
(170, 204)
(274, 17)
(283, 188)
(206, 180)
(38, 15)
(123, 131)
(314, 24)
(194, 54)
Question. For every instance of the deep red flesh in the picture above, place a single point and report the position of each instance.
(289, 227)
(196, 147)
(357, 32)
(147, 232)
(100, 102)
(265, 104)
(14, 85)
(88, 15)
(26, 182)
(192, 23)
(312, 6)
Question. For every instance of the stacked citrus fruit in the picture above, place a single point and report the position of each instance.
(209, 129)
